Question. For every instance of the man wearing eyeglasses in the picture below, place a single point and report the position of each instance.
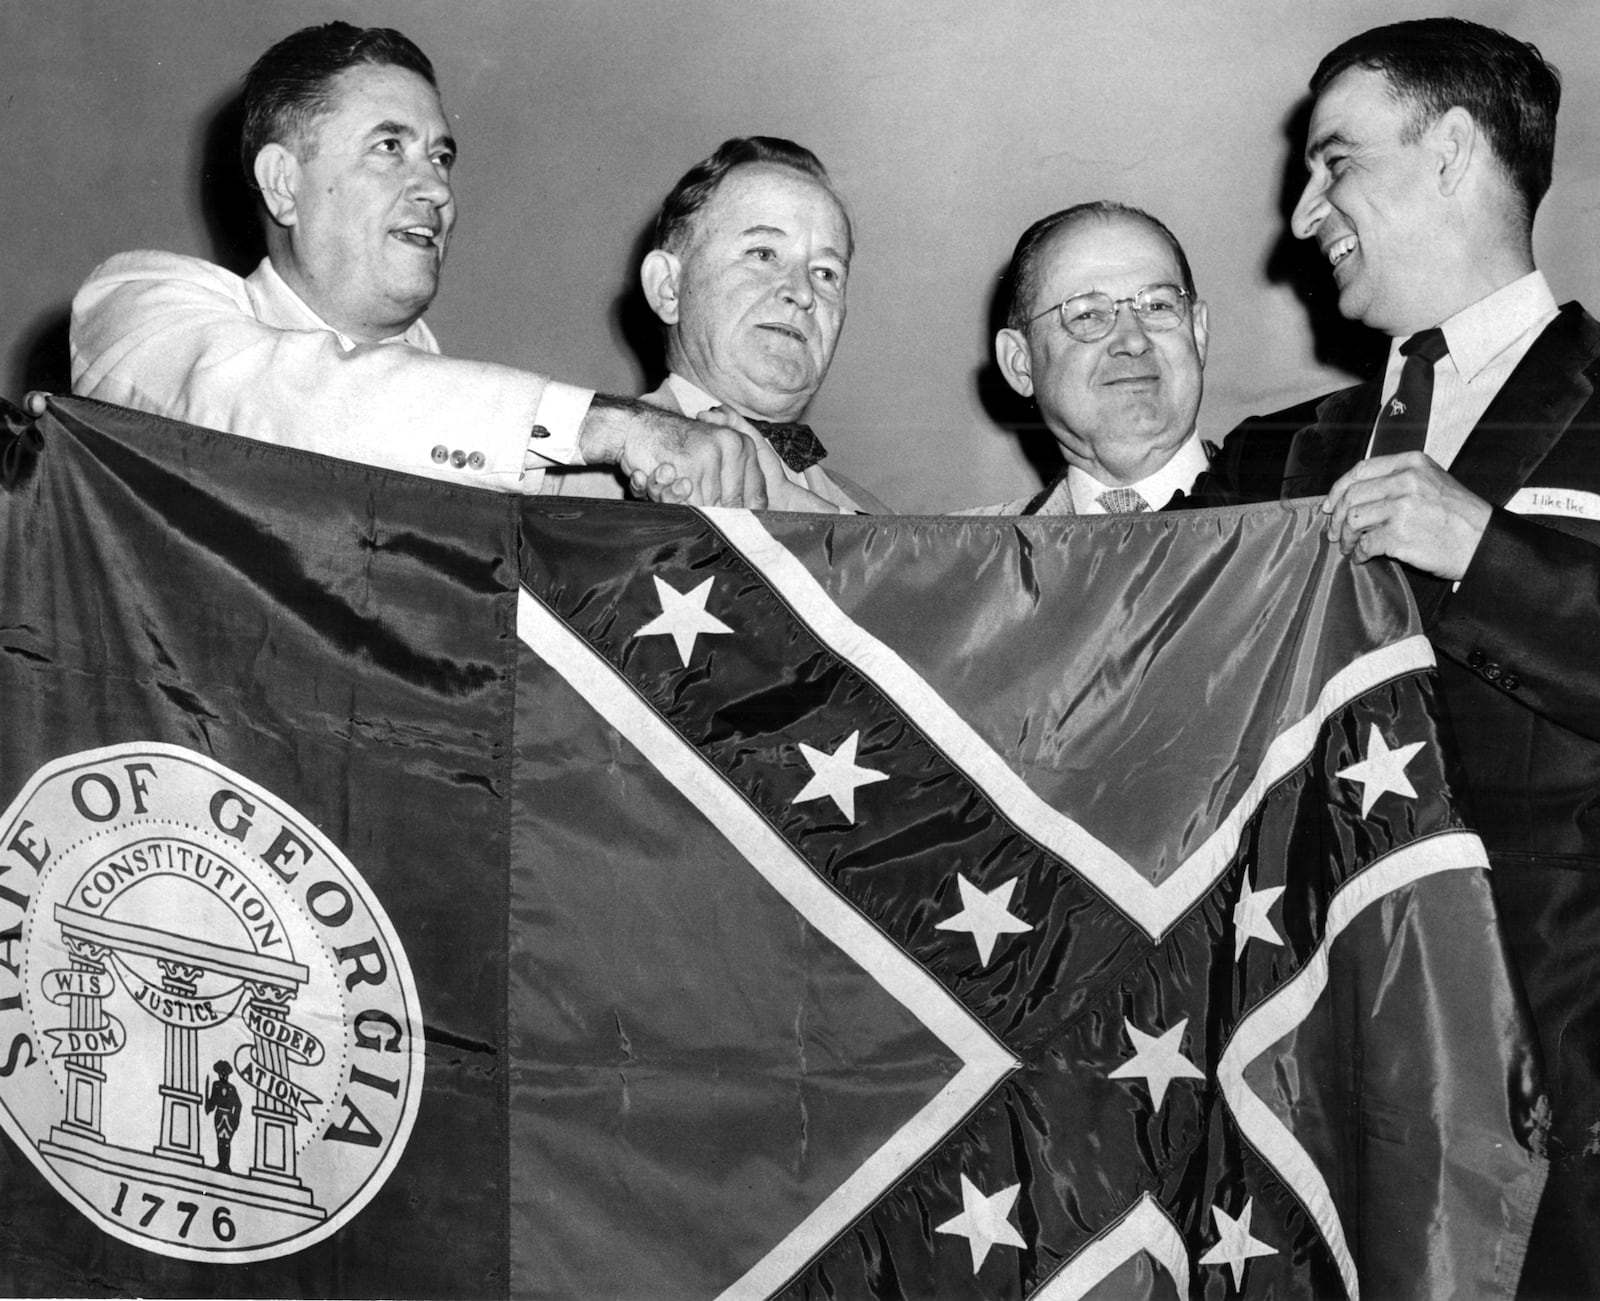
(1104, 332)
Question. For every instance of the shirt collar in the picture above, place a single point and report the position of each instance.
(280, 306)
(1480, 332)
(1177, 475)
(692, 400)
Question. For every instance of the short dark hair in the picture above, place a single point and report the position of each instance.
(675, 221)
(1021, 281)
(288, 87)
(1436, 64)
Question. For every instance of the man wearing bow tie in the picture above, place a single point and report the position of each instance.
(1104, 332)
(748, 276)
(1474, 460)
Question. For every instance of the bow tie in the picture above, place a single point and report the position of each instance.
(794, 443)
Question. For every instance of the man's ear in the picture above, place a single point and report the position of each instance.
(1455, 138)
(1015, 361)
(658, 273)
(277, 173)
(1202, 329)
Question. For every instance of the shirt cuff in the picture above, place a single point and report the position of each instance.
(553, 440)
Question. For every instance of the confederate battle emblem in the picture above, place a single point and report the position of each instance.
(210, 1041)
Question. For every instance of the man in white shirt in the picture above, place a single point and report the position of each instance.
(1104, 331)
(748, 277)
(1431, 144)
(323, 347)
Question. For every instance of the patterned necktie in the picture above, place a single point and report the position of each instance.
(1122, 501)
(1403, 423)
(794, 443)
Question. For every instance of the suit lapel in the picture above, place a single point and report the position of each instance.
(1199, 492)
(1524, 421)
(1532, 409)
(1325, 450)
(1055, 498)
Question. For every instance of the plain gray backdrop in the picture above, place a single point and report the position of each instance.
(948, 126)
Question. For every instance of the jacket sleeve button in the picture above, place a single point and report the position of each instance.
(441, 454)
(475, 461)
(458, 458)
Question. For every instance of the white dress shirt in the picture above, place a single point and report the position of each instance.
(1075, 493)
(1486, 341)
(1177, 475)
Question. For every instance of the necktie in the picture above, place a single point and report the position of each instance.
(1122, 501)
(795, 444)
(1403, 423)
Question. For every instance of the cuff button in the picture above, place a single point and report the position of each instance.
(458, 458)
(441, 454)
(538, 431)
(1511, 682)
(475, 461)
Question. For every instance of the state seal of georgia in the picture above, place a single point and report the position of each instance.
(210, 1041)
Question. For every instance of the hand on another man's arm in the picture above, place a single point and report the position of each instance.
(782, 492)
(664, 485)
(680, 460)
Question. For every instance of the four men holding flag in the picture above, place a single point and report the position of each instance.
(1473, 461)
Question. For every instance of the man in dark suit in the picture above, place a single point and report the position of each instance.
(1429, 148)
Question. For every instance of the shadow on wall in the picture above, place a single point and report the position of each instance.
(1017, 415)
(633, 324)
(227, 204)
(41, 359)
(1347, 345)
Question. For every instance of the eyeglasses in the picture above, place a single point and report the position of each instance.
(1088, 317)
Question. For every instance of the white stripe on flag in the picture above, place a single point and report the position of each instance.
(986, 1060)
(1145, 1227)
(1152, 907)
(1289, 1005)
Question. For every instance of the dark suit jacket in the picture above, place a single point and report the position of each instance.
(1519, 674)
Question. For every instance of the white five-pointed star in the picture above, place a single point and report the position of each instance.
(837, 776)
(1250, 920)
(983, 1221)
(985, 915)
(1235, 1245)
(1382, 770)
(683, 617)
(1158, 1059)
